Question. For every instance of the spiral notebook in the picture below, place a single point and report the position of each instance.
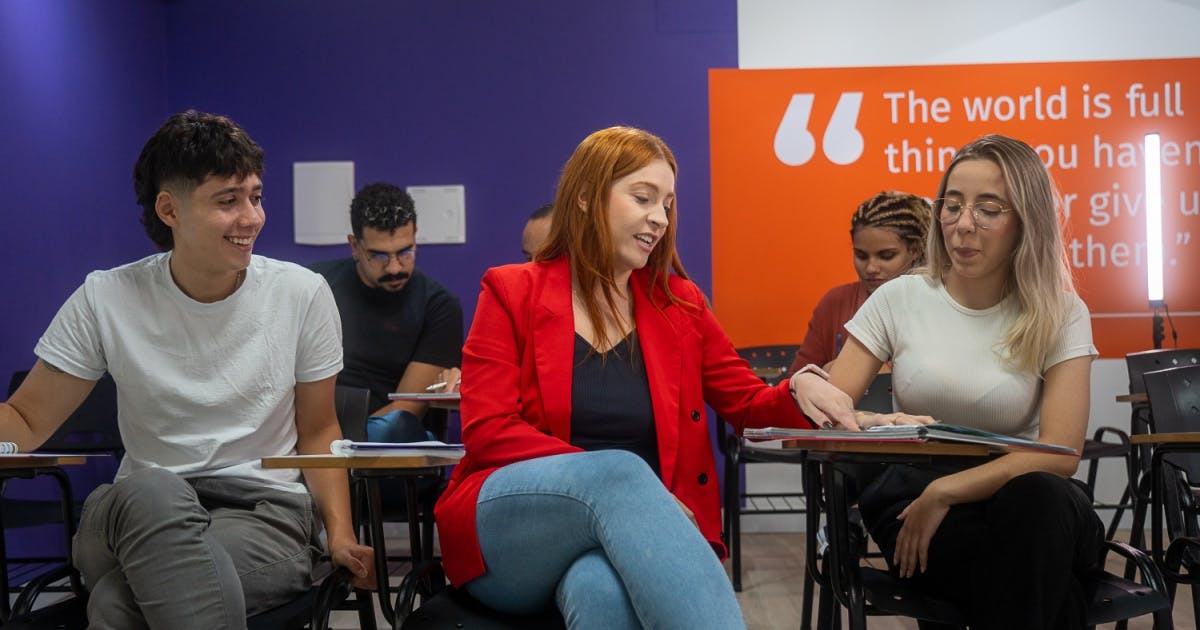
(912, 433)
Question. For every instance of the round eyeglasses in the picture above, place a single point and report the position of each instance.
(986, 213)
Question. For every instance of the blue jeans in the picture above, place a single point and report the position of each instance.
(600, 535)
(397, 426)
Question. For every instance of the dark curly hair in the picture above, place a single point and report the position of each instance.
(909, 216)
(185, 151)
(383, 207)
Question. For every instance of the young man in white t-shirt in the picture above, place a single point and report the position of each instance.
(220, 358)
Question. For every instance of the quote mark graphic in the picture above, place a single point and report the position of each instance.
(842, 142)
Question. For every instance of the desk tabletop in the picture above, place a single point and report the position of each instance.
(35, 460)
(358, 462)
(1166, 438)
(1132, 398)
(889, 447)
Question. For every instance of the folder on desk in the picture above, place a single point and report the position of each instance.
(429, 448)
(912, 433)
(426, 396)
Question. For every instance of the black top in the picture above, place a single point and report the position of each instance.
(610, 401)
(382, 332)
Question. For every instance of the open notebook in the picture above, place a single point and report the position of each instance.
(912, 433)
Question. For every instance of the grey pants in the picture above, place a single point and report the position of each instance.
(159, 551)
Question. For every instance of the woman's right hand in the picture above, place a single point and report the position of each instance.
(824, 404)
(691, 515)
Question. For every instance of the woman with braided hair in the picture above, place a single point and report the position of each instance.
(888, 233)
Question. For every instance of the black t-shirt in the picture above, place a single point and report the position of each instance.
(610, 401)
(383, 332)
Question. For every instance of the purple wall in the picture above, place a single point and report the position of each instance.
(84, 86)
(492, 95)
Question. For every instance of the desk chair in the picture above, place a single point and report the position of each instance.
(91, 429)
(443, 606)
(1174, 395)
(770, 363)
(1141, 422)
(869, 591)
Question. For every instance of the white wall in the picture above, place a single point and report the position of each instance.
(822, 34)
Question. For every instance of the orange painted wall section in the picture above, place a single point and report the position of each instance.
(795, 151)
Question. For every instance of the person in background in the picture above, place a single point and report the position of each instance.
(403, 330)
(220, 358)
(888, 234)
(537, 228)
(993, 336)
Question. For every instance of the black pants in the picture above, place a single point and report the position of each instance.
(1009, 562)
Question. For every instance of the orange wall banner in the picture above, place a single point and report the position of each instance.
(795, 151)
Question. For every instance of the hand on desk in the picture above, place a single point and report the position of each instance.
(823, 403)
(359, 559)
(867, 419)
(921, 519)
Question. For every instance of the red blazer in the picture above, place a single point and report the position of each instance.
(516, 393)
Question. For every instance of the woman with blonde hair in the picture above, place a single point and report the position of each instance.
(888, 233)
(991, 336)
(589, 480)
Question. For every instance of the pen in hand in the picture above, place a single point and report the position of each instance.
(439, 385)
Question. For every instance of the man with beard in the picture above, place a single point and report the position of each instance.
(401, 328)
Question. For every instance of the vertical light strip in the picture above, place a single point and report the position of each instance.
(1154, 242)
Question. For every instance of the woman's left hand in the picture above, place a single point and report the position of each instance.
(921, 519)
(867, 419)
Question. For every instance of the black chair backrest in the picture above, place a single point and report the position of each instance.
(353, 407)
(878, 397)
(1175, 404)
(1139, 363)
(93, 426)
(769, 362)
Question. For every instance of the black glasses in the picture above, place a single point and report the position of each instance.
(384, 259)
(986, 213)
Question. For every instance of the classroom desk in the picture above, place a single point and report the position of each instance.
(436, 400)
(824, 478)
(28, 466)
(366, 471)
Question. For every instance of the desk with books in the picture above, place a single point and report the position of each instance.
(366, 471)
(827, 456)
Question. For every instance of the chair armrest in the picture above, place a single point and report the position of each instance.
(1122, 436)
(1151, 575)
(333, 589)
(1177, 550)
(427, 576)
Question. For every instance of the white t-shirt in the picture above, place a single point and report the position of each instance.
(202, 389)
(947, 360)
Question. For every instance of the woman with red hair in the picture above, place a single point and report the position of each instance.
(589, 480)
